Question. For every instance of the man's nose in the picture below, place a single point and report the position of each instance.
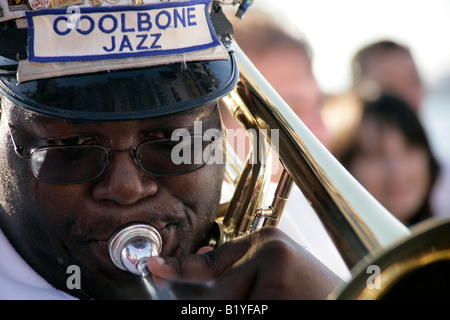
(124, 182)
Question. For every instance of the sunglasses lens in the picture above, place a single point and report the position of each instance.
(78, 164)
(168, 158)
(68, 165)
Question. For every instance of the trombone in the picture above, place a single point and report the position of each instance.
(364, 232)
(411, 263)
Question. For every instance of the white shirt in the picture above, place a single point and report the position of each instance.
(18, 281)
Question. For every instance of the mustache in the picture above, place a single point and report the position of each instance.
(102, 226)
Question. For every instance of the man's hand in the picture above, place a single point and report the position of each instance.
(266, 264)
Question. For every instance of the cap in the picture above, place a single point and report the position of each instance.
(130, 62)
(126, 94)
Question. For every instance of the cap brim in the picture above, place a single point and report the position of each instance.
(126, 95)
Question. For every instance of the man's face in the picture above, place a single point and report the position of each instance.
(54, 226)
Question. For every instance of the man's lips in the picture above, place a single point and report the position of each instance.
(104, 233)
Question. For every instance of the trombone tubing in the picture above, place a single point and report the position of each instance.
(357, 223)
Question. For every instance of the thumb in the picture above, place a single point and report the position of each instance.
(204, 250)
(208, 265)
(196, 267)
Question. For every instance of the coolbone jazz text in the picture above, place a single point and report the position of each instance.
(144, 31)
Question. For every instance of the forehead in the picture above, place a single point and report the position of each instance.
(394, 61)
(374, 132)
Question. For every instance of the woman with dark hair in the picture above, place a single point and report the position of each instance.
(383, 145)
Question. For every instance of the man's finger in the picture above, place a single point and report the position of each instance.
(197, 267)
(203, 250)
(192, 268)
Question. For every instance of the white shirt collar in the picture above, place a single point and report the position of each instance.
(18, 281)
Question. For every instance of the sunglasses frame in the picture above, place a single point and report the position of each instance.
(109, 152)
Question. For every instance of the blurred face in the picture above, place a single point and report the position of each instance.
(289, 71)
(393, 170)
(54, 226)
(398, 74)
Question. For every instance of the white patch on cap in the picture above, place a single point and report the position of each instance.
(91, 34)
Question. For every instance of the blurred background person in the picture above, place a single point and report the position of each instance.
(282, 54)
(381, 142)
(391, 66)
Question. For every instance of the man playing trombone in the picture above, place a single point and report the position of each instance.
(87, 121)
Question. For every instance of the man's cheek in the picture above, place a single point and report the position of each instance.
(58, 203)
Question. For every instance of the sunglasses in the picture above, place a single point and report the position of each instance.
(83, 163)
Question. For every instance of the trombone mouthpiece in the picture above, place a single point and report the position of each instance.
(130, 247)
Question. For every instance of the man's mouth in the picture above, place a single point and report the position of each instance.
(99, 245)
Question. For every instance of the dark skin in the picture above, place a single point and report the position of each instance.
(265, 264)
(54, 226)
